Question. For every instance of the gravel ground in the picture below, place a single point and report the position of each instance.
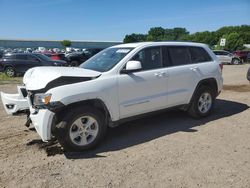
(165, 150)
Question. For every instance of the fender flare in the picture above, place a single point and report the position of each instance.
(211, 82)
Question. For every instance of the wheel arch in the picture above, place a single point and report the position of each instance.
(210, 82)
(6, 66)
(97, 103)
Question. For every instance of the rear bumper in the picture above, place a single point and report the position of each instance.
(42, 121)
(219, 84)
(15, 103)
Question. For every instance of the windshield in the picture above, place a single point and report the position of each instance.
(106, 59)
(43, 57)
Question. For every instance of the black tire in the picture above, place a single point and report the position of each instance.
(74, 64)
(63, 129)
(193, 109)
(10, 71)
(235, 61)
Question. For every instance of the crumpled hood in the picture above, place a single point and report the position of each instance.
(37, 78)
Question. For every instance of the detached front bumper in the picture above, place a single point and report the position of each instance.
(15, 103)
(42, 121)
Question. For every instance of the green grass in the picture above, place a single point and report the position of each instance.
(8, 80)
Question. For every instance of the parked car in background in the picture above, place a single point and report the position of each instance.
(19, 63)
(77, 58)
(241, 54)
(226, 57)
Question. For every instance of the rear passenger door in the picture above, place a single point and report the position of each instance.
(183, 75)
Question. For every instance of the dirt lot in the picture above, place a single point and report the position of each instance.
(166, 150)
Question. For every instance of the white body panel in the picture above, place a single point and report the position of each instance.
(225, 58)
(135, 97)
(42, 122)
(41, 76)
(17, 100)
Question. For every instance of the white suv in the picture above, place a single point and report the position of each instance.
(227, 57)
(76, 105)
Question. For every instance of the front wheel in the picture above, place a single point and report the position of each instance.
(81, 129)
(202, 103)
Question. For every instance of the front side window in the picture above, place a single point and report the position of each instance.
(150, 58)
(179, 55)
(106, 60)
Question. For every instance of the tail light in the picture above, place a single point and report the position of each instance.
(221, 66)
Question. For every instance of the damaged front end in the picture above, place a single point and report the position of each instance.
(22, 104)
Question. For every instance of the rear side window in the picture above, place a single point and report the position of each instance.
(165, 57)
(179, 55)
(199, 55)
(21, 57)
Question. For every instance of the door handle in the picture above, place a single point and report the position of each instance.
(194, 68)
(161, 74)
(158, 74)
(164, 74)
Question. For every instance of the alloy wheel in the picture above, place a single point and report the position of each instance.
(84, 130)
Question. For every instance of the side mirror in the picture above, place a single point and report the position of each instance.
(132, 66)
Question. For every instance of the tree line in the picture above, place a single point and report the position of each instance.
(236, 36)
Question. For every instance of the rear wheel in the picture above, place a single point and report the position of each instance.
(10, 71)
(81, 129)
(202, 103)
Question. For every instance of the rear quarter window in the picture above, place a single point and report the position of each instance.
(199, 55)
